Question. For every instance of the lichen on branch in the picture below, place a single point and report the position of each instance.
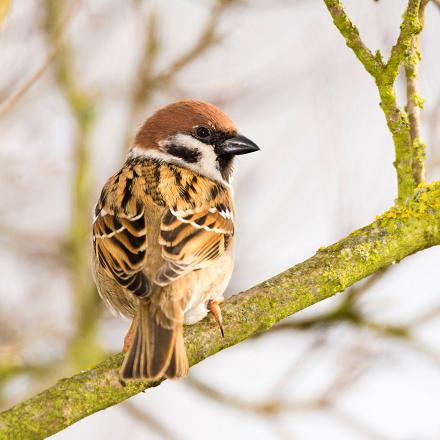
(409, 150)
(399, 232)
(413, 224)
(415, 102)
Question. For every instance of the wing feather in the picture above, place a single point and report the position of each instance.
(120, 245)
(192, 239)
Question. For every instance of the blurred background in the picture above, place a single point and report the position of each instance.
(76, 80)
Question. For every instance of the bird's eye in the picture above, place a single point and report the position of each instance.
(203, 132)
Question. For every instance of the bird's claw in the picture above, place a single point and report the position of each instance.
(213, 306)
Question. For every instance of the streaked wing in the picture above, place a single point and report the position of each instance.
(120, 246)
(192, 240)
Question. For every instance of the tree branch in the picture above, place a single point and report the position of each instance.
(373, 64)
(415, 103)
(148, 81)
(9, 103)
(206, 39)
(393, 236)
(385, 76)
(149, 421)
(410, 27)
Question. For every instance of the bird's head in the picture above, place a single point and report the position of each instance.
(195, 135)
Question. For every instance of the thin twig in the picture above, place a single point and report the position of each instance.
(147, 81)
(372, 63)
(298, 365)
(410, 27)
(355, 423)
(434, 131)
(206, 39)
(347, 310)
(63, 26)
(149, 421)
(272, 407)
(415, 102)
(424, 318)
(385, 77)
(408, 176)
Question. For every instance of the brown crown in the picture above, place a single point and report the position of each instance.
(181, 117)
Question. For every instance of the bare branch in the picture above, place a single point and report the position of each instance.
(12, 101)
(206, 39)
(148, 421)
(147, 81)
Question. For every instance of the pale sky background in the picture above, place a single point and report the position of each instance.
(325, 168)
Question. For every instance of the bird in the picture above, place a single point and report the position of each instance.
(163, 233)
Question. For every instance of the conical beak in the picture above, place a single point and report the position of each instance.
(238, 145)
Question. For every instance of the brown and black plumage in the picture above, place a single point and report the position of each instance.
(163, 233)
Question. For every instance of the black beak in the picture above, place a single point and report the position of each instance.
(238, 145)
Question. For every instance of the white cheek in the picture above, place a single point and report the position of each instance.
(208, 160)
(207, 164)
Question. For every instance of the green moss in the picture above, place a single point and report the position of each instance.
(426, 200)
(396, 234)
(372, 63)
(408, 158)
(412, 225)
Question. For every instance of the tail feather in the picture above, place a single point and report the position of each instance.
(154, 350)
(178, 365)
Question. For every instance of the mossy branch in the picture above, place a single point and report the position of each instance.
(393, 236)
(372, 63)
(415, 102)
(408, 150)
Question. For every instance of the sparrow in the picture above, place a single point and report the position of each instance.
(163, 233)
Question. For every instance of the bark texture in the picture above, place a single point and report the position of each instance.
(393, 236)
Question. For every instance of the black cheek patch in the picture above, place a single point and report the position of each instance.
(187, 154)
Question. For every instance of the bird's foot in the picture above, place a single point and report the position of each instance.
(213, 306)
